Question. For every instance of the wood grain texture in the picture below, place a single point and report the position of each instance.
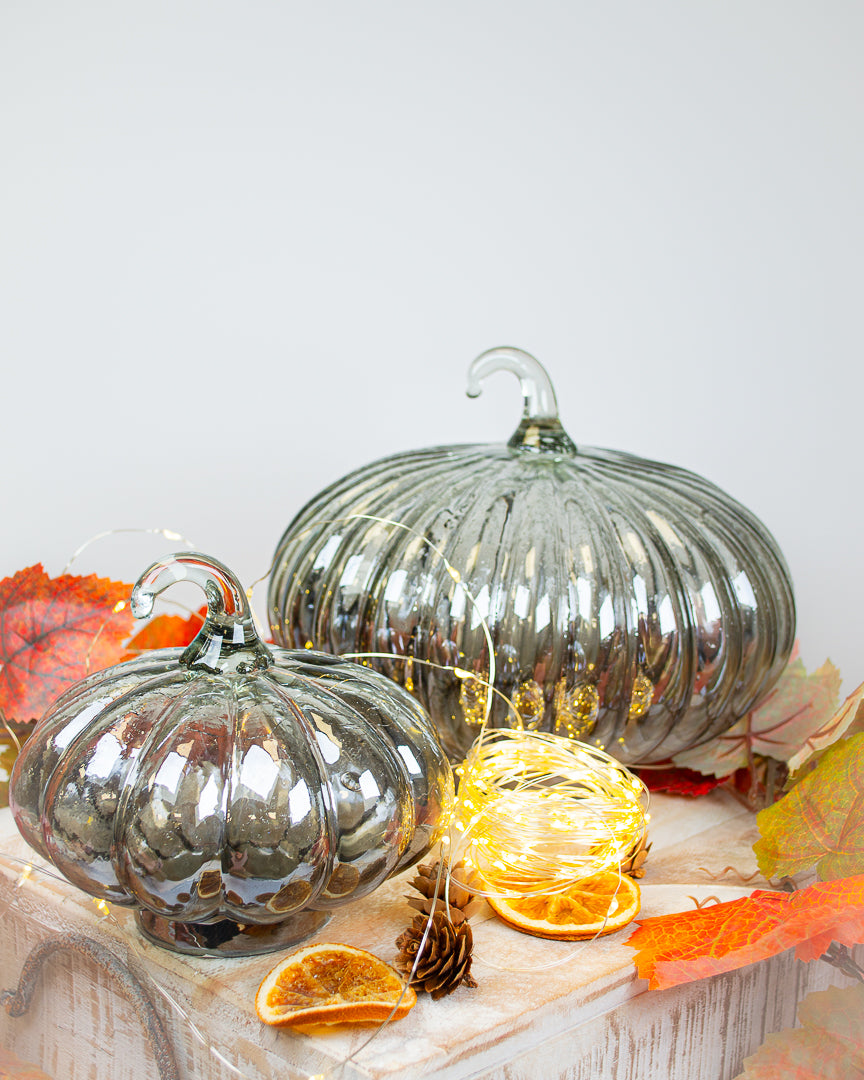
(542, 1009)
(703, 1030)
(17, 1000)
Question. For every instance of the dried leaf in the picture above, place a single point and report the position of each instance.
(55, 631)
(166, 632)
(852, 713)
(848, 720)
(820, 821)
(676, 781)
(829, 1045)
(797, 715)
(692, 945)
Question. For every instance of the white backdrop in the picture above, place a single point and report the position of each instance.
(245, 247)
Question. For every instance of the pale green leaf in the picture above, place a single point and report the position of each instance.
(797, 716)
(820, 821)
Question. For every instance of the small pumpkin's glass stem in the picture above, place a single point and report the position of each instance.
(228, 640)
(540, 428)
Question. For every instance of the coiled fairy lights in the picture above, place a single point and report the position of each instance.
(537, 813)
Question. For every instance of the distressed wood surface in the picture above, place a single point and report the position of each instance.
(542, 1008)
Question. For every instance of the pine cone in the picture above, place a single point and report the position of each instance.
(445, 962)
(635, 861)
(461, 903)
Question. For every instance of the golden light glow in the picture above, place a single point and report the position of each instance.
(536, 813)
(473, 698)
(576, 710)
(529, 704)
(641, 696)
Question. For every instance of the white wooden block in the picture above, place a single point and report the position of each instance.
(542, 1009)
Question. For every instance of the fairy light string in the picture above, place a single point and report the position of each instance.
(105, 911)
(534, 814)
(538, 813)
(454, 574)
(168, 534)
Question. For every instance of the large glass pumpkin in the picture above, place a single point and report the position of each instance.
(628, 603)
(232, 792)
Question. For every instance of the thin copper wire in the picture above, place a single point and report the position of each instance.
(169, 534)
(467, 834)
(451, 570)
(11, 732)
(538, 813)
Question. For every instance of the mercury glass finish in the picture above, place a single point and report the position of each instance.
(631, 604)
(231, 791)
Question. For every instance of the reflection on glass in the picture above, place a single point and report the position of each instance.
(651, 609)
(229, 785)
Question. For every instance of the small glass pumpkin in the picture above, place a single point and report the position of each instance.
(630, 603)
(232, 792)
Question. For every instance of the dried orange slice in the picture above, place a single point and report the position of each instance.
(594, 906)
(331, 984)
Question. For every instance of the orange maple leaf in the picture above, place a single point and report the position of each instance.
(692, 945)
(55, 631)
(166, 632)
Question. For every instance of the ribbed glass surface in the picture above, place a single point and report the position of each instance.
(231, 780)
(631, 604)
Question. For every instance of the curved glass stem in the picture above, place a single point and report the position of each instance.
(228, 640)
(540, 402)
(540, 428)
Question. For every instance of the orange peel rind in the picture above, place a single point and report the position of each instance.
(595, 906)
(329, 983)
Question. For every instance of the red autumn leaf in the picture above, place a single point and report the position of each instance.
(675, 781)
(820, 821)
(829, 1044)
(53, 632)
(692, 945)
(797, 717)
(166, 632)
